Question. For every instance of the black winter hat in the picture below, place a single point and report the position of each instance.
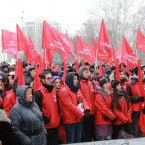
(102, 80)
(113, 68)
(114, 83)
(108, 71)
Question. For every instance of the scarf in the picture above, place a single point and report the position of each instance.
(48, 87)
(72, 87)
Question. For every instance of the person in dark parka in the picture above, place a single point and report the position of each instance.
(6, 133)
(26, 119)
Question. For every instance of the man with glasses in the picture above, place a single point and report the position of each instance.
(47, 102)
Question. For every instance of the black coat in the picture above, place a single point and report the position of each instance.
(26, 119)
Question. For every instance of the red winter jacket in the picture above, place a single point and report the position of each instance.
(135, 89)
(1, 102)
(9, 101)
(68, 105)
(123, 116)
(87, 89)
(103, 108)
(50, 107)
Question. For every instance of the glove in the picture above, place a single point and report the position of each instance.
(143, 111)
(106, 118)
(115, 119)
(46, 119)
(86, 117)
(141, 99)
(86, 111)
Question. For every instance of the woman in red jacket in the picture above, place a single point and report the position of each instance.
(73, 108)
(122, 109)
(103, 116)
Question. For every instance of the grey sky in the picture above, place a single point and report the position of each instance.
(70, 14)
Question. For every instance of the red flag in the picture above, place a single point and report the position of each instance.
(140, 79)
(101, 73)
(37, 83)
(85, 50)
(95, 44)
(51, 40)
(9, 43)
(19, 73)
(67, 43)
(117, 70)
(32, 54)
(126, 53)
(140, 41)
(104, 46)
(22, 41)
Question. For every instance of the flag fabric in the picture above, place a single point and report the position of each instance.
(52, 41)
(22, 41)
(140, 78)
(101, 73)
(85, 50)
(37, 82)
(140, 41)
(9, 43)
(30, 52)
(117, 70)
(19, 73)
(95, 44)
(104, 52)
(126, 54)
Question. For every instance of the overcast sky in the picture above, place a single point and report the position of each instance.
(68, 13)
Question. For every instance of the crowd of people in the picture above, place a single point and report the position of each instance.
(77, 107)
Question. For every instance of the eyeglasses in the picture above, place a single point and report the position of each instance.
(48, 78)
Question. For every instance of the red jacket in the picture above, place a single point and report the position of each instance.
(68, 105)
(87, 89)
(9, 101)
(103, 108)
(136, 92)
(50, 107)
(1, 102)
(123, 116)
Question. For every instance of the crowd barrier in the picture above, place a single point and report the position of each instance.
(133, 141)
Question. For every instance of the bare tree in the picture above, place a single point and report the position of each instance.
(118, 16)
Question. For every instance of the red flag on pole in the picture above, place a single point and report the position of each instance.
(19, 73)
(126, 54)
(140, 41)
(95, 44)
(51, 41)
(22, 41)
(101, 73)
(140, 78)
(37, 83)
(85, 50)
(104, 47)
(117, 70)
(9, 43)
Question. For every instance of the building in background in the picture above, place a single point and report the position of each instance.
(34, 30)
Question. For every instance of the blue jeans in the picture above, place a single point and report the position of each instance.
(73, 132)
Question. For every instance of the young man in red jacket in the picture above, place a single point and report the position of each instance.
(47, 102)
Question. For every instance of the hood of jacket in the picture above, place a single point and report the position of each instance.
(21, 93)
